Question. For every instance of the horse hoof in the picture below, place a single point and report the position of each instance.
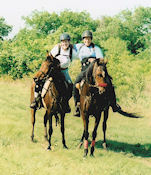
(85, 152)
(104, 145)
(32, 138)
(85, 155)
(65, 147)
(91, 155)
(49, 148)
(79, 146)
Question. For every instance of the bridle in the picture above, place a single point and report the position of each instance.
(99, 85)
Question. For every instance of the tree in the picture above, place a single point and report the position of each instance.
(4, 28)
(43, 22)
(67, 21)
(132, 27)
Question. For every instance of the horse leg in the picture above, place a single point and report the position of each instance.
(81, 141)
(94, 133)
(106, 113)
(50, 132)
(86, 135)
(33, 112)
(63, 131)
(57, 119)
(45, 126)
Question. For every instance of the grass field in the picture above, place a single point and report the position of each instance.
(128, 140)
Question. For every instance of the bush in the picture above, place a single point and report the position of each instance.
(124, 68)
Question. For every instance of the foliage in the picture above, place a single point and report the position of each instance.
(119, 36)
(43, 22)
(66, 21)
(5, 29)
(132, 27)
(122, 67)
(28, 48)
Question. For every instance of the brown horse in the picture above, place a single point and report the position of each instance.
(94, 99)
(52, 101)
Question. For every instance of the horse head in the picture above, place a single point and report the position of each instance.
(99, 75)
(47, 69)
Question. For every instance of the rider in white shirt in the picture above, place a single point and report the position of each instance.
(65, 53)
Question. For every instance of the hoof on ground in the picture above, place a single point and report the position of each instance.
(49, 148)
(65, 147)
(104, 146)
(79, 146)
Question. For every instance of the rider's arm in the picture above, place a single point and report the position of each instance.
(54, 51)
(98, 52)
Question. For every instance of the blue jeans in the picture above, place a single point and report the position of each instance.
(67, 76)
(69, 83)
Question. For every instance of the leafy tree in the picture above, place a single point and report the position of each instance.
(4, 28)
(125, 68)
(119, 36)
(43, 22)
(67, 21)
(132, 27)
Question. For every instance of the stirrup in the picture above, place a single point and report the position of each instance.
(33, 105)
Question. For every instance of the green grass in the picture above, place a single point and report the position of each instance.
(129, 140)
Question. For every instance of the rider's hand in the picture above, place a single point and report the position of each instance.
(91, 60)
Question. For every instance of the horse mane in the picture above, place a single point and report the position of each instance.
(88, 74)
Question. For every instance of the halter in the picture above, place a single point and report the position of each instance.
(45, 75)
(42, 72)
(102, 85)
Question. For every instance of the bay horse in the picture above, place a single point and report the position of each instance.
(52, 101)
(94, 99)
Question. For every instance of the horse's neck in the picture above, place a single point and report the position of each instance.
(57, 84)
(85, 89)
(89, 74)
(53, 90)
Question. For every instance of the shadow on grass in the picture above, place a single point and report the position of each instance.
(135, 149)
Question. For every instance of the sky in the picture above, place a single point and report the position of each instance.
(13, 10)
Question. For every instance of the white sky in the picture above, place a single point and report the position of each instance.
(13, 10)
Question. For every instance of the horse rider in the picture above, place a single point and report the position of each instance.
(65, 53)
(87, 53)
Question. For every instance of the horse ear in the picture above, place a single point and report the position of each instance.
(47, 53)
(49, 56)
(98, 61)
(105, 61)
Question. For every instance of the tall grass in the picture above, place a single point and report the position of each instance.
(129, 140)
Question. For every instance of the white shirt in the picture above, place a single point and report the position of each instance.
(64, 56)
(88, 52)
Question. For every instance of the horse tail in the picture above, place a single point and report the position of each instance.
(126, 114)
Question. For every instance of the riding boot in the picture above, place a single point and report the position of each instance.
(34, 104)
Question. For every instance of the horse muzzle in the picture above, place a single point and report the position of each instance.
(101, 87)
